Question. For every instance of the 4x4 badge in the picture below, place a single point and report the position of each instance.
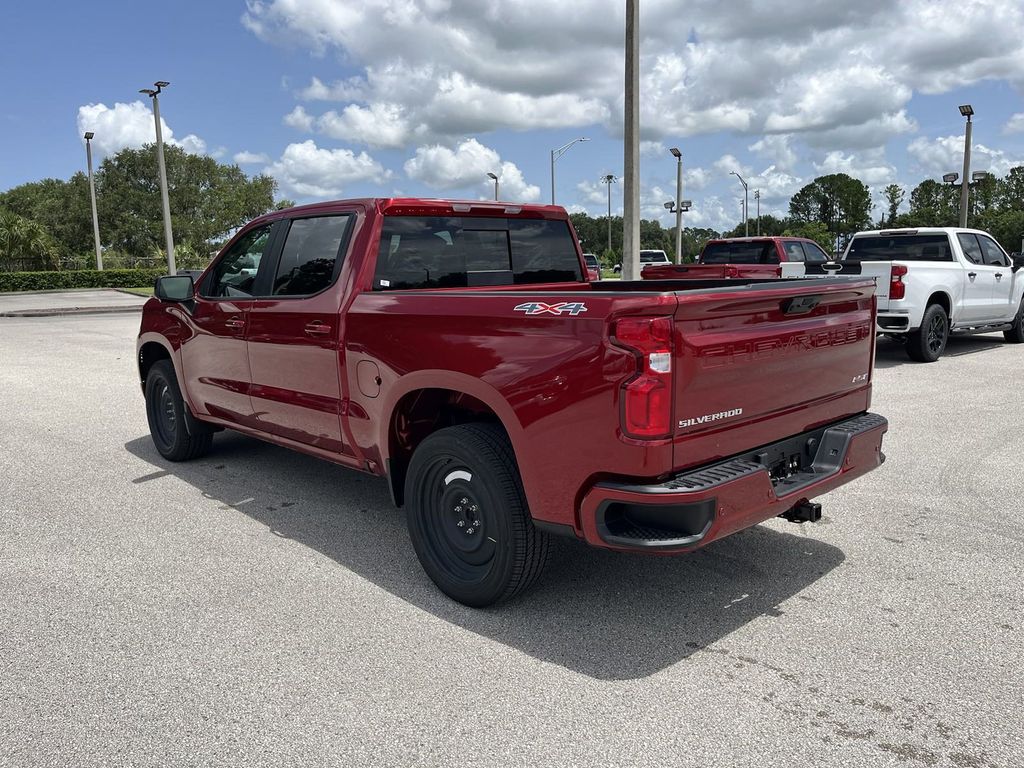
(563, 307)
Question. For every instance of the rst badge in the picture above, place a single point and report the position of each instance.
(561, 308)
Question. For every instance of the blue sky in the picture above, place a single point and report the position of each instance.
(338, 98)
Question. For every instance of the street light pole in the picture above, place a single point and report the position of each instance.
(495, 184)
(631, 142)
(746, 214)
(557, 153)
(966, 110)
(168, 236)
(679, 197)
(92, 197)
(757, 198)
(609, 179)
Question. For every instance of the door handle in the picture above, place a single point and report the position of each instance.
(234, 322)
(999, 275)
(316, 328)
(972, 275)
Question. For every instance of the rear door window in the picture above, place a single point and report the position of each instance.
(310, 258)
(971, 247)
(460, 251)
(794, 250)
(814, 254)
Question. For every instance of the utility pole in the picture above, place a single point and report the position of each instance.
(966, 110)
(679, 199)
(746, 214)
(92, 197)
(631, 134)
(757, 199)
(153, 94)
(609, 179)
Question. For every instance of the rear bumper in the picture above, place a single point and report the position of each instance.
(699, 506)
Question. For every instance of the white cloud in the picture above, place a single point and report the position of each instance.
(1015, 124)
(340, 90)
(311, 171)
(946, 155)
(245, 157)
(299, 119)
(776, 149)
(129, 125)
(869, 167)
(467, 166)
(380, 125)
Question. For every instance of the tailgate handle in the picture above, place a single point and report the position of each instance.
(800, 305)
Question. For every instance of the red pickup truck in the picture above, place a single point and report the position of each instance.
(743, 257)
(457, 349)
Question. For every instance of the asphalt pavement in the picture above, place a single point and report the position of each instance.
(262, 608)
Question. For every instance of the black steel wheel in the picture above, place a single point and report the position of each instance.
(927, 343)
(165, 410)
(468, 518)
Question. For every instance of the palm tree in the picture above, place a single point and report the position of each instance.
(23, 240)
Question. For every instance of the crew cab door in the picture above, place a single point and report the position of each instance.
(214, 359)
(294, 332)
(1003, 305)
(979, 283)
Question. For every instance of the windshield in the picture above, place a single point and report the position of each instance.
(653, 257)
(739, 253)
(900, 248)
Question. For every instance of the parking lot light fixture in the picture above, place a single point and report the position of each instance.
(491, 175)
(950, 178)
(557, 153)
(168, 236)
(679, 211)
(979, 175)
(92, 198)
(966, 110)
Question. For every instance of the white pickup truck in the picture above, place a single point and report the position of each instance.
(937, 280)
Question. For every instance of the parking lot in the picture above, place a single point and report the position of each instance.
(259, 607)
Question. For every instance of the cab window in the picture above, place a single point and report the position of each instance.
(992, 253)
(311, 255)
(235, 273)
(970, 246)
(814, 254)
(794, 250)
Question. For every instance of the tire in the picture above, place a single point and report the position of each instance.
(1016, 333)
(927, 343)
(165, 410)
(467, 516)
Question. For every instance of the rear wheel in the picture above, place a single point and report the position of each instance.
(468, 518)
(927, 343)
(165, 410)
(1015, 335)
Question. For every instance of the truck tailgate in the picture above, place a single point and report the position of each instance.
(762, 362)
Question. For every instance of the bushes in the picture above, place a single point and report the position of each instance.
(83, 278)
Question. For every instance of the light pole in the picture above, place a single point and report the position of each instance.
(746, 215)
(160, 85)
(678, 207)
(679, 196)
(757, 202)
(557, 153)
(495, 184)
(966, 110)
(92, 197)
(631, 146)
(609, 179)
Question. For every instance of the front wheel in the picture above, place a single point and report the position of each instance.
(1015, 335)
(468, 518)
(927, 343)
(165, 410)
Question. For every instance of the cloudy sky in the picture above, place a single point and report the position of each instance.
(351, 98)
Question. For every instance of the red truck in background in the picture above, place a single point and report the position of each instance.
(732, 257)
(458, 350)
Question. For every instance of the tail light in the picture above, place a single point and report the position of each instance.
(897, 288)
(647, 396)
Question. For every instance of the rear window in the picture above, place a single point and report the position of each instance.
(739, 253)
(653, 257)
(900, 248)
(591, 260)
(460, 251)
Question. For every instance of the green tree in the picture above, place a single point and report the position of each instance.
(25, 244)
(839, 201)
(894, 197)
(933, 204)
(62, 208)
(1010, 190)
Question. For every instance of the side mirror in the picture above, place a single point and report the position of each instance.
(1017, 260)
(174, 288)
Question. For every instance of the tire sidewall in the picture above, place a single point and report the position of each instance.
(159, 375)
(487, 484)
(921, 350)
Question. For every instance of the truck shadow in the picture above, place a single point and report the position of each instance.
(890, 353)
(602, 614)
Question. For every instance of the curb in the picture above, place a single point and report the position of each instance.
(70, 311)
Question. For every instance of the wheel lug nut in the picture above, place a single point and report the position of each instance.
(473, 508)
(458, 508)
(464, 500)
(476, 523)
(461, 523)
(469, 530)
